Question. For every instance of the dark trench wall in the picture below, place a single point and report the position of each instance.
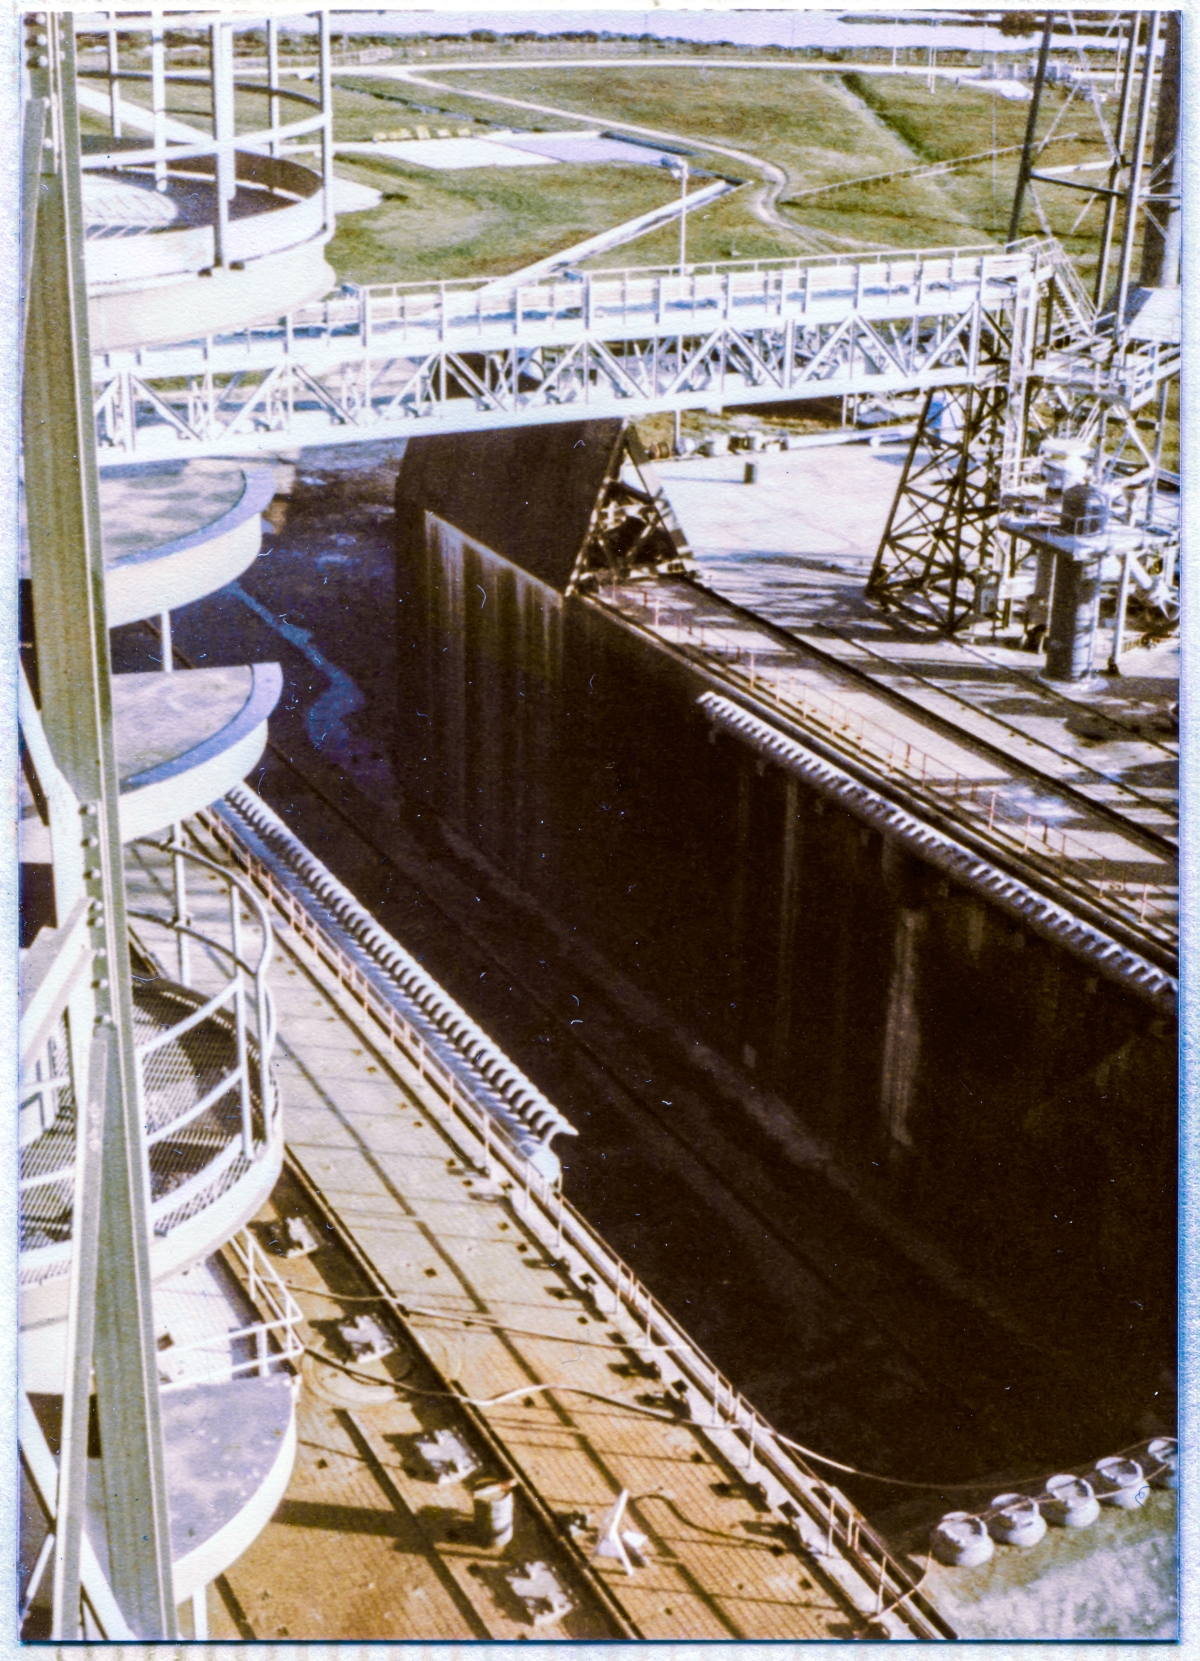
(987, 1086)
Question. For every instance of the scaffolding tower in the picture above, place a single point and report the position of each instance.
(1079, 391)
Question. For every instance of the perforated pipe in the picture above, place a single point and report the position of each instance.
(459, 1043)
(1041, 916)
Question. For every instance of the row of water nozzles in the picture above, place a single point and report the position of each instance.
(964, 1540)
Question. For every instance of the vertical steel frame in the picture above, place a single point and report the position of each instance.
(1027, 149)
(75, 685)
(1134, 190)
(326, 78)
(1120, 139)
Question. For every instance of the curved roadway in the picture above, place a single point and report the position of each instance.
(774, 177)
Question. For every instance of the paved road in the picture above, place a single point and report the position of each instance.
(763, 201)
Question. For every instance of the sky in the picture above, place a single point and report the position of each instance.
(743, 27)
(780, 26)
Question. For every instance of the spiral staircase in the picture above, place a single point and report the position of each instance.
(186, 228)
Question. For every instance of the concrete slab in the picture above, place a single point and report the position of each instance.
(221, 1444)
(796, 548)
(589, 148)
(450, 154)
(184, 739)
(174, 532)
(1117, 1579)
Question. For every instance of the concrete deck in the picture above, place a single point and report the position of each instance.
(173, 532)
(796, 549)
(183, 739)
(365, 1545)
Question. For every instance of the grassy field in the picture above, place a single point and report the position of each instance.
(819, 127)
(956, 121)
(813, 128)
(473, 221)
(481, 220)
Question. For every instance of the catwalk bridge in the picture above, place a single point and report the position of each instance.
(469, 354)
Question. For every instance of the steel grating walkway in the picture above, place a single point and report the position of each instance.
(399, 359)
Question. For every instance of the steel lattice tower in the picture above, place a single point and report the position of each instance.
(1072, 366)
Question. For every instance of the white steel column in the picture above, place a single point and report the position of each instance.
(326, 82)
(114, 86)
(273, 80)
(158, 97)
(221, 88)
(67, 569)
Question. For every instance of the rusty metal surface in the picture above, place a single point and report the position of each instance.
(365, 1545)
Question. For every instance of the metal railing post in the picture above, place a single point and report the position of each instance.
(1134, 189)
(182, 943)
(327, 111)
(221, 93)
(273, 82)
(158, 99)
(239, 1012)
(266, 1090)
(114, 84)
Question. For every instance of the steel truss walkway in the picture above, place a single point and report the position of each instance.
(400, 359)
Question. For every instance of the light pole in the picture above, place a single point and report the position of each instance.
(681, 171)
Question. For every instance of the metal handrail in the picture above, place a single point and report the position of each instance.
(281, 1322)
(357, 313)
(734, 1421)
(233, 994)
(638, 289)
(180, 150)
(977, 802)
(897, 256)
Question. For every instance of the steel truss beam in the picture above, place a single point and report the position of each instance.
(456, 357)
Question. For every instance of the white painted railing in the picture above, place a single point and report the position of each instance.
(826, 1523)
(274, 1342)
(244, 994)
(403, 319)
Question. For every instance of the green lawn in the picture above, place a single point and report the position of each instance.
(809, 124)
(956, 121)
(812, 126)
(481, 220)
(817, 126)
